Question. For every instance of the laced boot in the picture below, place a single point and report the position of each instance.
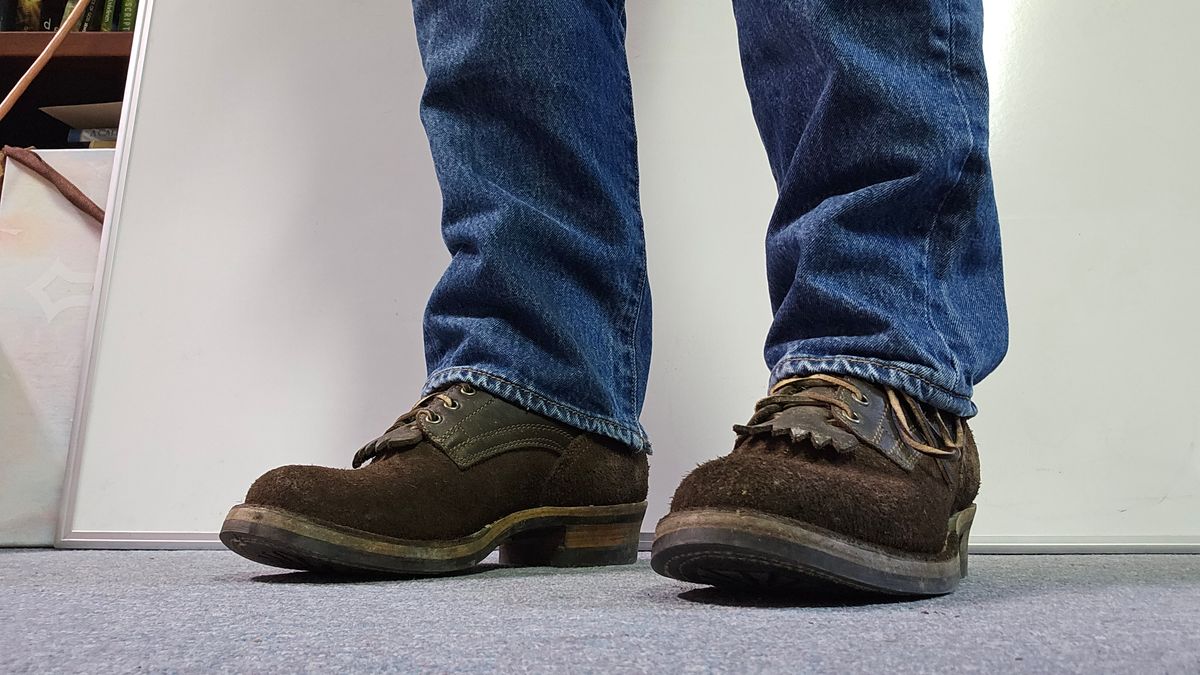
(834, 483)
(462, 473)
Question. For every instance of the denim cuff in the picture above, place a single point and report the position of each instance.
(916, 381)
(632, 435)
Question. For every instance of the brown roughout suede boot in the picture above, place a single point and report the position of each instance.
(834, 483)
(462, 473)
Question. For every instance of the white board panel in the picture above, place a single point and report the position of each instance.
(269, 257)
(274, 240)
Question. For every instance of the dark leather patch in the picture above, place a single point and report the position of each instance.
(483, 426)
(875, 425)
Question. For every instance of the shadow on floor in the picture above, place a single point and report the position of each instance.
(772, 599)
(299, 577)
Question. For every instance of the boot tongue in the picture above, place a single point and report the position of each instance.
(803, 419)
(399, 438)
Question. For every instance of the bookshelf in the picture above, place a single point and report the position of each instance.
(27, 45)
(88, 68)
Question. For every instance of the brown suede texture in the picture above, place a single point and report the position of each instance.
(421, 493)
(860, 494)
(595, 471)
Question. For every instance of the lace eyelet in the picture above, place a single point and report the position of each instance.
(466, 389)
(853, 417)
(452, 407)
(433, 418)
(864, 401)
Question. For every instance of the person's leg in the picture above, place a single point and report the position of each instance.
(537, 337)
(883, 263)
(530, 119)
(883, 253)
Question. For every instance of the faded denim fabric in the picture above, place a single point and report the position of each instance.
(883, 252)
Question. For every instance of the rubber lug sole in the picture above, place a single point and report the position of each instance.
(548, 536)
(743, 549)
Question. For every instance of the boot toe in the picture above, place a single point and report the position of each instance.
(297, 488)
(879, 509)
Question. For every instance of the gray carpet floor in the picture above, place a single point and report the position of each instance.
(208, 611)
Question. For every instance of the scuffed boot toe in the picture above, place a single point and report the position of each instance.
(833, 484)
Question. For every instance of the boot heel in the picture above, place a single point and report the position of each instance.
(962, 525)
(574, 546)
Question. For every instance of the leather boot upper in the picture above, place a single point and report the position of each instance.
(847, 456)
(459, 460)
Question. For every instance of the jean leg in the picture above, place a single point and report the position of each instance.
(883, 251)
(529, 116)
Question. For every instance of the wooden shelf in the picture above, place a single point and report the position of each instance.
(88, 68)
(27, 45)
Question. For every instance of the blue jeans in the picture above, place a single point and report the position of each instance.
(883, 251)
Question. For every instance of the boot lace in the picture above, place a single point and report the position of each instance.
(410, 432)
(821, 390)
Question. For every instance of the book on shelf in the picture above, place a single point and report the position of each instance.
(52, 13)
(70, 7)
(103, 134)
(21, 14)
(91, 16)
(93, 124)
(48, 15)
(108, 15)
(127, 14)
(8, 15)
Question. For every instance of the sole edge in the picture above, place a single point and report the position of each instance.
(749, 549)
(553, 536)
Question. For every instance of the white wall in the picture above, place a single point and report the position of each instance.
(1092, 421)
(277, 239)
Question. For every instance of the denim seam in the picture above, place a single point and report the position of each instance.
(609, 427)
(640, 296)
(890, 365)
(962, 168)
(632, 343)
